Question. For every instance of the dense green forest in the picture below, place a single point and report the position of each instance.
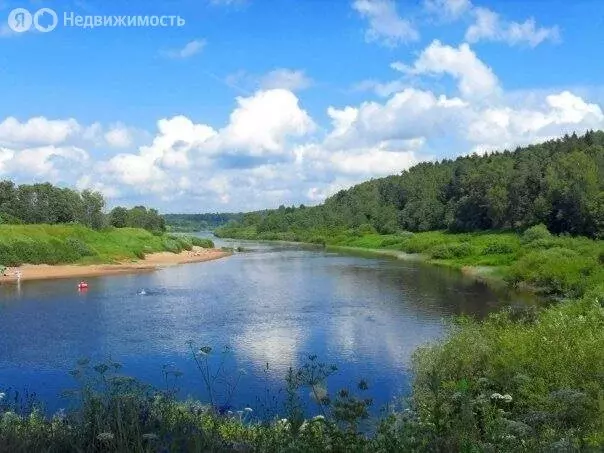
(47, 204)
(199, 222)
(559, 183)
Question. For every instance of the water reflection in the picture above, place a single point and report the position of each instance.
(275, 303)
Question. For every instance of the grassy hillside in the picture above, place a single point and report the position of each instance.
(58, 244)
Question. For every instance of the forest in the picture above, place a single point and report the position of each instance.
(45, 203)
(559, 183)
(199, 222)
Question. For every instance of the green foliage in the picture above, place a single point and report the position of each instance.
(536, 233)
(447, 251)
(202, 242)
(45, 203)
(557, 270)
(137, 217)
(520, 386)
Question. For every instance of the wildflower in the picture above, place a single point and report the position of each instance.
(105, 437)
(507, 398)
(318, 417)
(150, 436)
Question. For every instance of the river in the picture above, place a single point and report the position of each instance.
(273, 303)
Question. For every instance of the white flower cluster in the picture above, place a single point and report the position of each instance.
(507, 398)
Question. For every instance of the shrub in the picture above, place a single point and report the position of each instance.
(202, 242)
(81, 248)
(449, 251)
(171, 245)
(535, 233)
(498, 248)
(558, 271)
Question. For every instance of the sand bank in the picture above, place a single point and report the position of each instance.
(151, 262)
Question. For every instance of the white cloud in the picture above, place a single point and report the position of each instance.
(261, 124)
(475, 79)
(286, 79)
(38, 130)
(40, 161)
(118, 137)
(489, 26)
(188, 50)
(506, 127)
(385, 25)
(409, 114)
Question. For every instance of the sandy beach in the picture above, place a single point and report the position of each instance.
(151, 262)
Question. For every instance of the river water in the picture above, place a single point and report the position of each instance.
(274, 303)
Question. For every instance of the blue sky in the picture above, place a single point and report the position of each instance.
(256, 103)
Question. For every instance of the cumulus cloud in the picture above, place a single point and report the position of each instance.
(261, 124)
(118, 137)
(475, 80)
(38, 130)
(506, 127)
(42, 161)
(386, 26)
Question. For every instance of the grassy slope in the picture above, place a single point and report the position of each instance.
(55, 244)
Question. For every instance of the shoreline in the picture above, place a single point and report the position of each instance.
(152, 262)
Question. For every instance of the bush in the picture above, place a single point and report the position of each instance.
(79, 247)
(449, 251)
(534, 233)
(498, 248)
(558, 271)
(171, 245)
(202, 242)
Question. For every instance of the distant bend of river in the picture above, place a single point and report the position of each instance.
(274, 304)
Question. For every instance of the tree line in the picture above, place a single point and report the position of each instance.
(49, 204)
(559, 183)
(199, 222)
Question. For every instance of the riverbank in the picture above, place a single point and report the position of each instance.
(151, 262)
(559, 266)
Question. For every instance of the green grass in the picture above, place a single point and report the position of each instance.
(59, 244)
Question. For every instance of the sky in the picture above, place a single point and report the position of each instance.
(251, 104)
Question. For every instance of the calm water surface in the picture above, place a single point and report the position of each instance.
(274, 304)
